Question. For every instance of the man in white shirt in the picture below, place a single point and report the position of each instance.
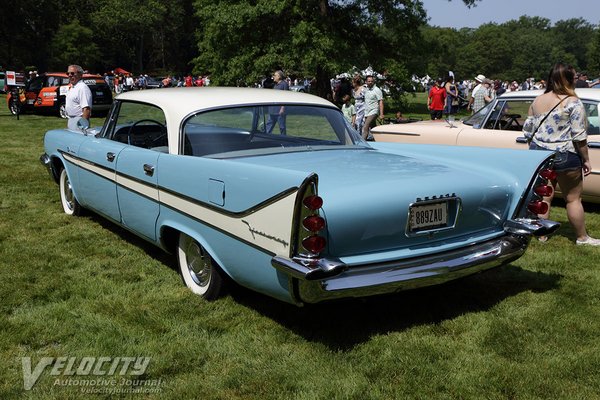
(129, 82)
(78, 105)
(373, 105)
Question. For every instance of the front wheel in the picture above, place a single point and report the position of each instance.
(13, 106)
(69, 202)
(198, 270)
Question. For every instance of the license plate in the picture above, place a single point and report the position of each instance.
(433, 215)
(99, 94)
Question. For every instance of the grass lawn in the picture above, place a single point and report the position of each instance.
(83, 287)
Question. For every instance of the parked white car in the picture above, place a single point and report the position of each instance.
(499, 124)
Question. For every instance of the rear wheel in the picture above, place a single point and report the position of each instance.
(198, 270)
(62, 111)
(69, 202)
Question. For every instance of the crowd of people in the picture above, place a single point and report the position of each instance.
(445, 97)
(125, 81)
(368, 104)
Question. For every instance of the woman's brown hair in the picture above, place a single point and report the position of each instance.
(561, 80)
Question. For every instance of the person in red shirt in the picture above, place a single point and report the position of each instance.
(436, 101)
(188, 81)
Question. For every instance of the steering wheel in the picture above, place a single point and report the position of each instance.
(136, 123)
(153, 121)
(510, 122)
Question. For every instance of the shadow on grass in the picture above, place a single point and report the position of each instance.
(149, 248)
(343, 324)
(566, 229)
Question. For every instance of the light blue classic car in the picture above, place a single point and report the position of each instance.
(275, 191)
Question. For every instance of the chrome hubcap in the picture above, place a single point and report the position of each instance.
(198, 263)
(68, 194)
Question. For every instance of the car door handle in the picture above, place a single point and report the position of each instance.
(149, 169)
(110, 157)
(594, 145)
(521, 139)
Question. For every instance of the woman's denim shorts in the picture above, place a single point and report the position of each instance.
(563, 161)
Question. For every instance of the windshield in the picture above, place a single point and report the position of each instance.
(263, 129)
(476, 120)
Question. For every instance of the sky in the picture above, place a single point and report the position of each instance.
(454, 14)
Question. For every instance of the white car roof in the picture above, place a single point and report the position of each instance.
(589, 94)
(179, 103)
(182, 101)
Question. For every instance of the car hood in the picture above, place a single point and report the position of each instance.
(367, 195)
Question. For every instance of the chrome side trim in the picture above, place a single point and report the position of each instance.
(309, 186)
(521, 210)
(140, 186)
(389, 277)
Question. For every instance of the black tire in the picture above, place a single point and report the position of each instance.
(67, 199)
(62, 112)
(13, 107)
(199, 271)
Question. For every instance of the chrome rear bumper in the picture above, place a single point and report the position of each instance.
(342, 280)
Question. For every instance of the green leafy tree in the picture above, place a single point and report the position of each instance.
(25, 27)
(128, 29)
(594, 54)
(572, 36)
(73, 44)
(242, 41)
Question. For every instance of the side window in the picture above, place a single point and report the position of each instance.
(516, 113)
(35, 85)
(594, 122)
(218, 131)
(140, 125)
(509, 115)
(53, 81)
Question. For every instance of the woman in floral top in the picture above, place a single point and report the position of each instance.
(358, 93)
(563, 131)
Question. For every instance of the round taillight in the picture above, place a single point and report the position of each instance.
(544, 190)
(314, 223)
(315, 244)
(313, 202)
(549, 174)
(538, 207)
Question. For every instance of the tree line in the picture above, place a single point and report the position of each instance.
(239, 42)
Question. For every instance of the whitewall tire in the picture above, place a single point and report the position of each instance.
(69, 202)
(198, 270)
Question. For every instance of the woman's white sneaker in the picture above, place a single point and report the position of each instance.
(589, 241)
